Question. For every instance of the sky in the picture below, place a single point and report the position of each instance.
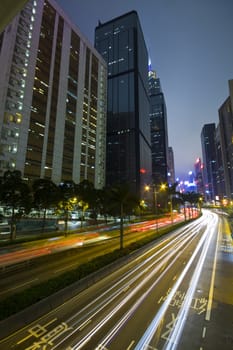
(190, 45)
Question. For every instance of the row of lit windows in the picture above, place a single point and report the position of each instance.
(39, 90)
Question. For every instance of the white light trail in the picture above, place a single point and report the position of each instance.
(166, 258)
(182, 315)
(148, 335)
(176, 242)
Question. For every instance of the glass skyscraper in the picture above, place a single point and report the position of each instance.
(121, 43)
(159, 131)
(225, 113)
(209, 160)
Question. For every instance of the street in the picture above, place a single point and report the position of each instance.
(176, 295)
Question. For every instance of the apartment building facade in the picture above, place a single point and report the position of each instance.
(52, 98)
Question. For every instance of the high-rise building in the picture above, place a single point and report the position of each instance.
(226, 131)
(209, 161)
(221, 190)
(159, 132)
(121, 43)
(198, 169)
(171, 167)
(52, 98)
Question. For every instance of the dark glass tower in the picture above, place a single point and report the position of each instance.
(121, 43)
(209, 160)
(159, 132)
(226, 137)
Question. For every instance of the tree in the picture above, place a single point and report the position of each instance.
(67, 200)
(172, 193)
(103, 201)
(189, 197)
(16, 195)
(87, 197)
(121, 202)
(46, 196)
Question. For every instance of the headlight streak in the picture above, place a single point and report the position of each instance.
(129, 296)
(125, 300)
(175, 335)
(148, 335)
(106, 341)
(185, 235)
(110, 298)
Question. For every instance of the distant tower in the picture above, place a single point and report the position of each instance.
(171, 166)
(198, 167)
(209, 160)
(159, 132)
(221, 188)
(121, 43)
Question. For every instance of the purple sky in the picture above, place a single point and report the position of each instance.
(190, 46)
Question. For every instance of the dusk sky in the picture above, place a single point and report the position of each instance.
(190, 44)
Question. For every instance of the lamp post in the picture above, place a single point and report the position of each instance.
(155, 194)
(171, 209)
(156, 207)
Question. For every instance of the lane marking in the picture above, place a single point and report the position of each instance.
(33, 333)
(84, 324)
(211, 291)
(131, 344)
(203, 332)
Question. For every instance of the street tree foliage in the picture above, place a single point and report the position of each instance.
(66, 200)
(16, 195)
(87, 197)
(45, 196)
(121, 202)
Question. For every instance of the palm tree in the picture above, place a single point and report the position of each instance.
(15, 194)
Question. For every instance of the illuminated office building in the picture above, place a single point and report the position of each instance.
(171, 167)
(121, 43)
(221, 188)
(198, 169)
(226, 140)
(159, 131)
(52, 98)
(209, 161)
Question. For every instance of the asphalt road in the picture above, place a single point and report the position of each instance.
(45, 259)
(176, 295)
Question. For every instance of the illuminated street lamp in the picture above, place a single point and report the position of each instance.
(171, 208)
(155, 194)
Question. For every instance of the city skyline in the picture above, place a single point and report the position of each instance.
(188, 45)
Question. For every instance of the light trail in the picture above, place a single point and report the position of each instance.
(133, 271)
(148, 335)
(166, 258)
(176, 241)
(182, 315)
(123, 302)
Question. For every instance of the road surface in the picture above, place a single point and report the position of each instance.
(176, 295)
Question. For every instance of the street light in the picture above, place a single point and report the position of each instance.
(162, 187)
(171, 209)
